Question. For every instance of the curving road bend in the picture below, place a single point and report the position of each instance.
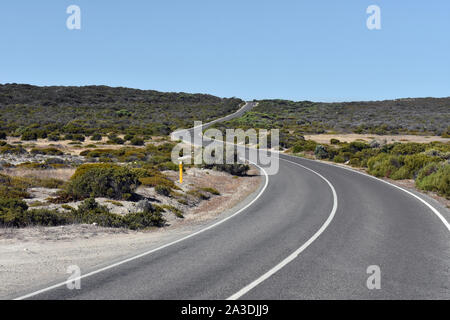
(340, 220)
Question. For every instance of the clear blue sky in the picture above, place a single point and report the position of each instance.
(292, 49)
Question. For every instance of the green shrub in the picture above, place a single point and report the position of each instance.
(163, 190)
(29, 135)
(13, 188)
(11, 212)
(383, 165)
(114, 139)
(411, 164)
(2, 135)
(408, 148)
(54, 137)
(45, 217)
(32, 165)
(102, 180)
(74, 137)
(9, 149)
(357, 146)
(167, 166)
(91, 212)
(96, 137)
(157, 180)
(304, 145)
(334, 141)
(47, 151)
(235, 169)
(145, 219)
(435, 177)
(136, 141)
(339, 159)
(321, 152)
(131, 155)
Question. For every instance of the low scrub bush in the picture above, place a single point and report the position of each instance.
(211, 190)
(167, 166)
(13, 188)
(321, 152)
(435, 177)
(102, 180)
(173, 209)
(304, 145)
(96, 137)
(408, 148)
(411, 164)
(136, 141)
(74, 137)
(47, 151)
(9, 149)
(54, 137)
(163, 190)
(334, 141)
(383, 165)
(29, 135)
(199, 194)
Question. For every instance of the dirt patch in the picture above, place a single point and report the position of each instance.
(325, 138)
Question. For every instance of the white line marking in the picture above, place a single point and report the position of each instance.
(433, 209)
(296, 253)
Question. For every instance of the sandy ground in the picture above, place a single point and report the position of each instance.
(325, 138)
(31, 258)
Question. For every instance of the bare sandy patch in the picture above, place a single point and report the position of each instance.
(325, 138)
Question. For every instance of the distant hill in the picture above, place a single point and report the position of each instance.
(413, 116)
(91, 108)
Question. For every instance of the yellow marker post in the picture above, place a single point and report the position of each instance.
(181, 172)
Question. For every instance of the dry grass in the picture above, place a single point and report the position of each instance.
(68, 148)
(60, 174)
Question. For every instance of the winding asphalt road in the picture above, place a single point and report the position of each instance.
(311, 234)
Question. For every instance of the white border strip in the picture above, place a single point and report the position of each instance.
(296, 253)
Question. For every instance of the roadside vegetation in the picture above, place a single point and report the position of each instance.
(427, 163)
(74, 113)
(424, 116)
(100, 172)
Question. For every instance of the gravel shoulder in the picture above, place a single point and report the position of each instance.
(31, 258)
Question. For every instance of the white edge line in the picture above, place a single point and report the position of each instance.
(433, 209)
(296, 253)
